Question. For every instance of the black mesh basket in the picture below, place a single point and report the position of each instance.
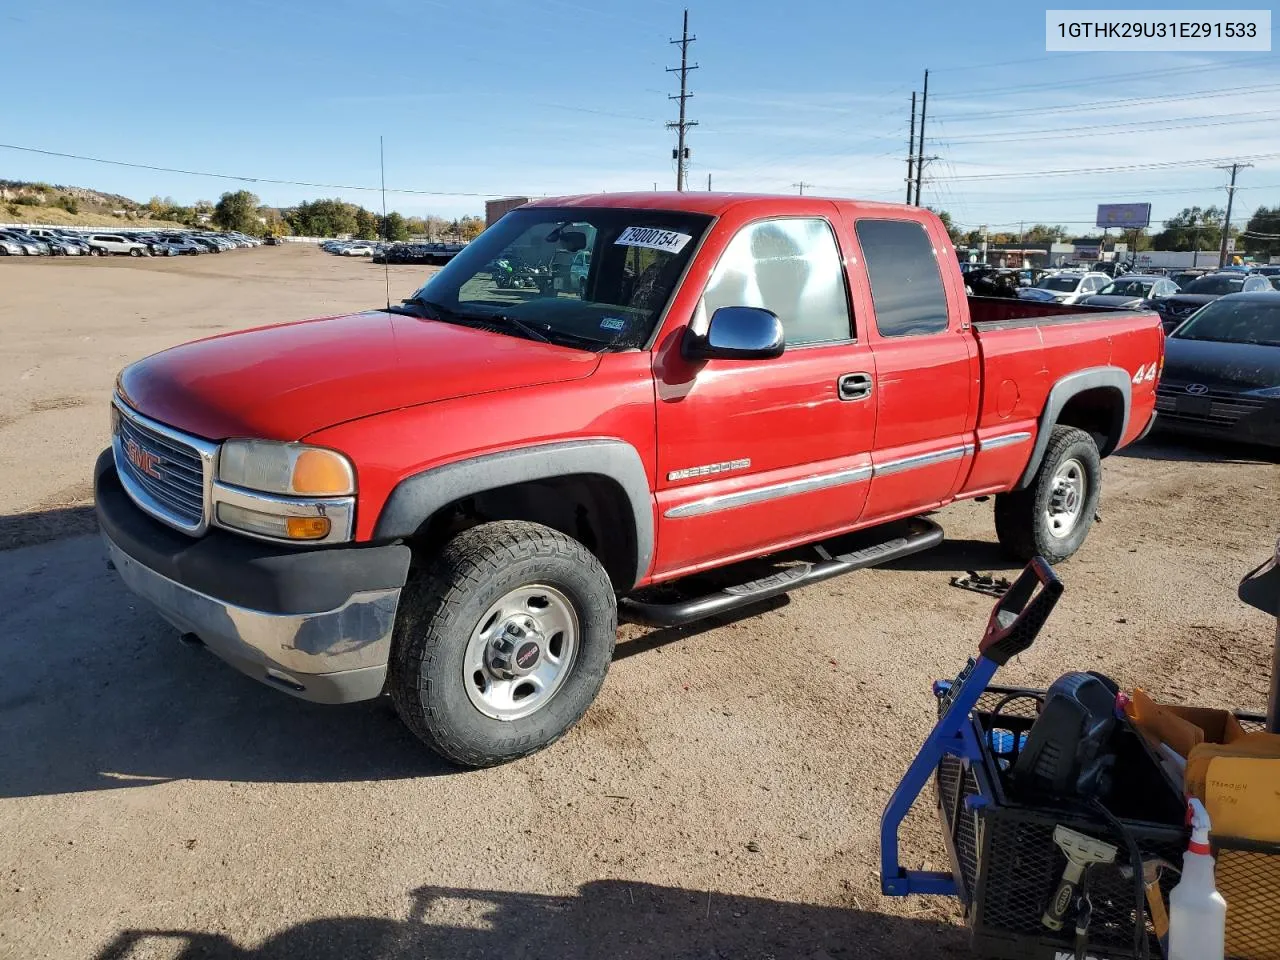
(1006, 862)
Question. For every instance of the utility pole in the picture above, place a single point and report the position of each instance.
(1226, 223)
(682, 125)
(924, 106)
(911, 148)
(1195, 242)
(708, 183)
(801, 185)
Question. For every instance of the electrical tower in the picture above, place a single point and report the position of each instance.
(801, 185)
(1226, 223)
(681, 153)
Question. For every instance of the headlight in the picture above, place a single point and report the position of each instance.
(290, 469)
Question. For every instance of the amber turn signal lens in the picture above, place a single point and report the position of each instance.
(307, 528)
(321, 473)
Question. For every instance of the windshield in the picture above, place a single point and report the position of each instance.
(1060, 284)
(593, 277)
(1235, 321)
(1216, 286)
(1127, 288)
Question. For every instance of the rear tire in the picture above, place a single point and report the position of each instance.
(502, 642)
(135, 252)
(1052, 516)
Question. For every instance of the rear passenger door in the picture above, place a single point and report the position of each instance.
(926, 368)
(757, 455)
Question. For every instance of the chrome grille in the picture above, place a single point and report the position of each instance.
(165, 472)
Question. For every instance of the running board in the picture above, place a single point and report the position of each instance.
(912, 536)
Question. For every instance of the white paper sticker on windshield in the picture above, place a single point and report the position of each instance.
(655, 239)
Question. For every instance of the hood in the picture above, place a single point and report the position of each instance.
(1221, 366)
(1189, 299)
(1110, 300)
(285, 382)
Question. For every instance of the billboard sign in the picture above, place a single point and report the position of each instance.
(1127, 216)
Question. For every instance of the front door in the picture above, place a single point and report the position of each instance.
(758, 455)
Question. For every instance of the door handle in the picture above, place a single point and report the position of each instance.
(854, 386)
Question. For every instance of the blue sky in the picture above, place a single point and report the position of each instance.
(499, 97)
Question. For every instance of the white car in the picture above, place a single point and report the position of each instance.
(102, 244)
(359, 250)
(1065, 287)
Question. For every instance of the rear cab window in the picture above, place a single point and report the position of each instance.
(906, 283)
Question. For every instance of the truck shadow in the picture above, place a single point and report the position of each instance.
(958, 556)
(605, 919)
(42, 526)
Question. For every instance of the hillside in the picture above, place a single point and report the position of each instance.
(58, 205)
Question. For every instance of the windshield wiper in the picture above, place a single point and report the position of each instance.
(510, 321)
(420, 307)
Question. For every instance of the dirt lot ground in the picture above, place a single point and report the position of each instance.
(720, 800)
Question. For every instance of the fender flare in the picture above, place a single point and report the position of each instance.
(416, 498)
(1061, 393)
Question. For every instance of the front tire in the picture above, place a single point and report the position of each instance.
(502, 642)
(1052, 516)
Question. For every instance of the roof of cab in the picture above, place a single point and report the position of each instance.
(714, 204)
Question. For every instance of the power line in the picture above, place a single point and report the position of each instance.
(1133, 126)
(1106, 78)
(682, 125)
(1087, 105)
(1208, 161)
(227, 176)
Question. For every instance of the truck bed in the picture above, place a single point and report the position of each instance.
(1026, 347)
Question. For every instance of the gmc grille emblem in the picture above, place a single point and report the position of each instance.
(1197, 389)
(146, 461)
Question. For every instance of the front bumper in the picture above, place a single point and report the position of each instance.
(316, 623)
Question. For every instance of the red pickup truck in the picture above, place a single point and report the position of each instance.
(672, 404)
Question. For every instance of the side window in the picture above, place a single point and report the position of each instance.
(906, 285)
(791, 267)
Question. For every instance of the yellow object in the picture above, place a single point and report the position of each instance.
(1260, 746)
(1242, 795)
(321, 473)
(307, 528)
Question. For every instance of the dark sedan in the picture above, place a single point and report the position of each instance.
(1173, 310)
(1222, 371)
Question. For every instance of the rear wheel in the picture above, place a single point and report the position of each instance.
(502, 642)
(1052, 516)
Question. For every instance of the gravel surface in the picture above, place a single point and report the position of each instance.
(721, 799)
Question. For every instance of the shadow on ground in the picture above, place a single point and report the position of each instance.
(1163, 446)
(957, 556)
(41, 526)
(606, 919)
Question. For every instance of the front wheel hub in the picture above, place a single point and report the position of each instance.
(521, 652)
(517, 649)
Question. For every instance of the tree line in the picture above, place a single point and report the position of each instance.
(242, 210)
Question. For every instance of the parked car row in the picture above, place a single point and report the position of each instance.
(436, 253)
(82, 242)
(420, 252)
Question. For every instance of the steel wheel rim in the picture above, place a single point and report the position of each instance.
(498, 681)
(1067, 494)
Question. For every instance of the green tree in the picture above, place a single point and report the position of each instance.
(238, 211)
(322, 218)
(1044, 233)
(468, 228)
(1191, 229)
(394, 227)
(1262, 232)
(956, 234)
(366, 224)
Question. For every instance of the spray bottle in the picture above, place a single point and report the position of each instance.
(1197, 912)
